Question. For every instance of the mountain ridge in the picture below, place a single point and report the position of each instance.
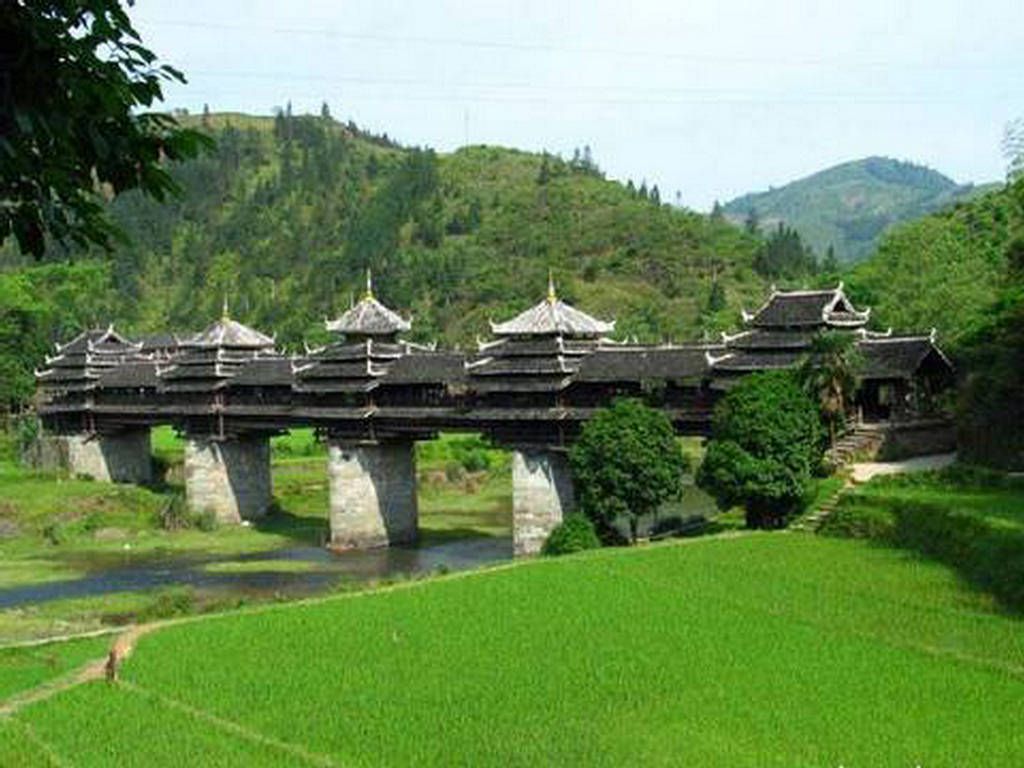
(850, 206)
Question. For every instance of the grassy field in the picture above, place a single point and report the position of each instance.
(22, 668)
(759, 649)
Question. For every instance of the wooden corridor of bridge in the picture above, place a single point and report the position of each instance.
(371, 395)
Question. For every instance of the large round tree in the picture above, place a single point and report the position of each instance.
(626, 462)
(767, 440)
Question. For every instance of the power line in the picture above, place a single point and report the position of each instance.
(401, 40)
(505, 92)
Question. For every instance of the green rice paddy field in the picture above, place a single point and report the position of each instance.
(744, 650)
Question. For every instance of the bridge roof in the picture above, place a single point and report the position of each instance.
(369, 317)
(788, 309)
(899, 356)
(553, 317)
(638, 363)
(229, 333)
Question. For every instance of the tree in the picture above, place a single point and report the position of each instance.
(655, 195)
(626, 462)
(716, 298)
(325, 111)
(717, 214)
(544, 174)
(784, 254)
(766, 441)
(828, 373)
(830, 265)
(752, 223)
(76, 83)
(1013, 149)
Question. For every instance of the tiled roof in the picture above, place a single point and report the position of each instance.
(808, 308)
(130, 375)
(369, 318)
(229, 333)
(898, 357)
(632, 364)
(553, 317)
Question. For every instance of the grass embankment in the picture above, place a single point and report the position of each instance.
(972, 520)
(762, 649)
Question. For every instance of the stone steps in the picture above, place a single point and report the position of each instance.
(812, 521)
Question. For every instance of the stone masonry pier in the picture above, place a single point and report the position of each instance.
(372, 494)
(542, 495)
(230, 478)
(121, 457)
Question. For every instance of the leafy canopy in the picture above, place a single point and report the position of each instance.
(74, 76)
(767, 441)
(626, 462)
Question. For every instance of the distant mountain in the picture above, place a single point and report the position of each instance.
(850, 206)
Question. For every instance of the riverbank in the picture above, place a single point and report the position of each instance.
(74, 543)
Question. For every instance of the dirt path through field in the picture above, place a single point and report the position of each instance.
(864, 471)
(92, 670)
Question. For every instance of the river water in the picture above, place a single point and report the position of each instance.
(331, 569)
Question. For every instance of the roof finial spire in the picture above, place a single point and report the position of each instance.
(552, 297)
(369, 284)
(224, 308)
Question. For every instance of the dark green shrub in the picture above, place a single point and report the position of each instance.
(55, 533)
(205, 521)
(574, 534)
(173, 602)
(174, 515)
(476, 460)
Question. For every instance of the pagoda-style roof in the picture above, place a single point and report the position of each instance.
(808, 309)
(96, 340)
(553, 317)
(79, 364)
(369, 318)
(230, 334)
(208, 360)
(357, 367)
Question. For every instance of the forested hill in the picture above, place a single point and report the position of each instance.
(288, 213)
(850, 206)
(962, 271)
(947, 270)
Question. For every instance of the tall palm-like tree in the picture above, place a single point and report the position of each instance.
(829, 373)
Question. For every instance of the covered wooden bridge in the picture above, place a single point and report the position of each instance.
(371, 395)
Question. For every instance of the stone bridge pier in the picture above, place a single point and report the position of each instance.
(542, 495)
(111, 457)
(372, 493)
(228, 477)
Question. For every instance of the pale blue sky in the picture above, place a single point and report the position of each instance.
(713, 99)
